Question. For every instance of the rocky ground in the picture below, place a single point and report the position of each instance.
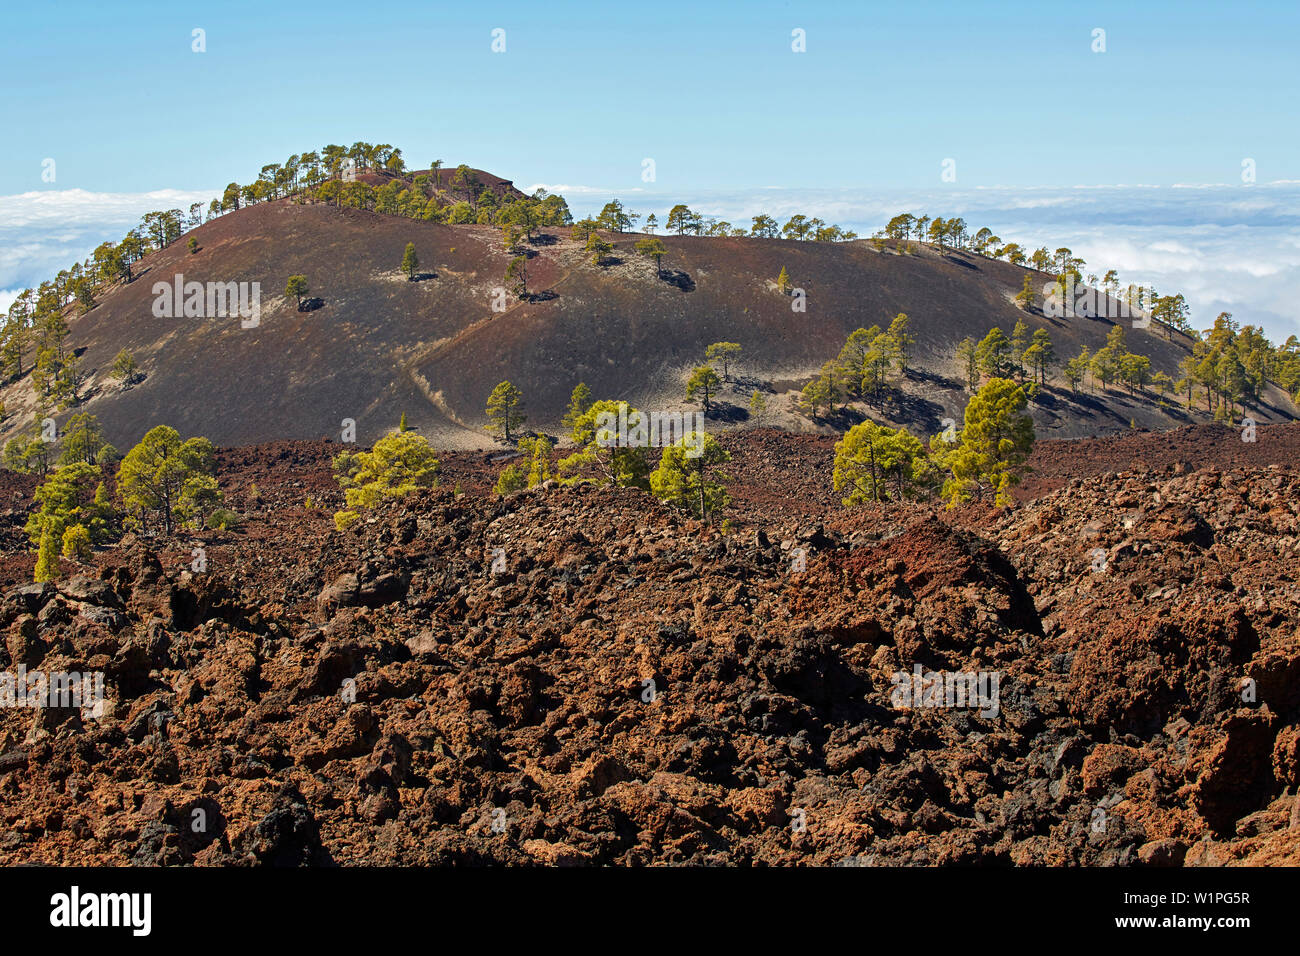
(627, 686)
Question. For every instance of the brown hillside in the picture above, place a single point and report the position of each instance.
(380, 345)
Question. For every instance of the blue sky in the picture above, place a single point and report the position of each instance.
(1012, 92)
(712, 91)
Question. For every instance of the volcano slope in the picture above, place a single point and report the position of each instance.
(628, 686)
(380, 345)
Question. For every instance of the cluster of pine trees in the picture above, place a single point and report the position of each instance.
(995, 356)
(329, 175)
(684, 221)
(1232, 363)
(108, 264)
(1229, 365)
(36, 322)
(691, 482)
(987, 456)
(306, 171)
(456, 199)
(953, 233)
(1228, 368)
(36, 326)
(35, 319)
(1169, 311)
(1114, 364)
(947, 233)
(861, 371)
(1032, 357)
(163, 477)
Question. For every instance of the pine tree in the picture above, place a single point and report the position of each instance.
(816, 394)
(994, 354)
(655, 249)
(783, 282)
(1019, 342)
(1188, 381)
(598, 249)
(538, 451)
(726, 352)
(297, 287)
(1077, 368)
(614, 218)
(82, 439)
(685, 475)
(901, 340)
(1108, 363)
(600, 456)
(993, 445)
(410, 262)
(125, 368)
(875, 366)
(682, 220)
(47, 560)
(1040, 356)
(853, 358)
(1025, 297)
(968, 363)
(76, 543)
(703, 380)
(153, 475)
(397, 465)
(579, 402)
(517, 276)
(502, 410)
(102, 515)
(870, 456)
(512, 478)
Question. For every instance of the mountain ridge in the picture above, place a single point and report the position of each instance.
(380, 345)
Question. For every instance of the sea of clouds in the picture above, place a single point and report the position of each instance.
(43, 232)
(1233, 248)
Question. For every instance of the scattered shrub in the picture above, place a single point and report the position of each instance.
(223, 519)
(513, 478)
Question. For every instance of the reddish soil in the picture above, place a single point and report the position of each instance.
(637, 688)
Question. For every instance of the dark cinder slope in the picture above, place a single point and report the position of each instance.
(379, 345)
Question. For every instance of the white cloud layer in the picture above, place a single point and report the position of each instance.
(43, 232)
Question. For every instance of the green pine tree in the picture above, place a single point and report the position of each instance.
(410, 262)
(47, 560)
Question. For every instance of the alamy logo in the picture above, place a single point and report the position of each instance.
(60, 689)
(215, 300)
(73, 909)
(632, 429)
(969, 689)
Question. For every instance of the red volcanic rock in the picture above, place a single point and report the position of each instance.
(637, 688)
